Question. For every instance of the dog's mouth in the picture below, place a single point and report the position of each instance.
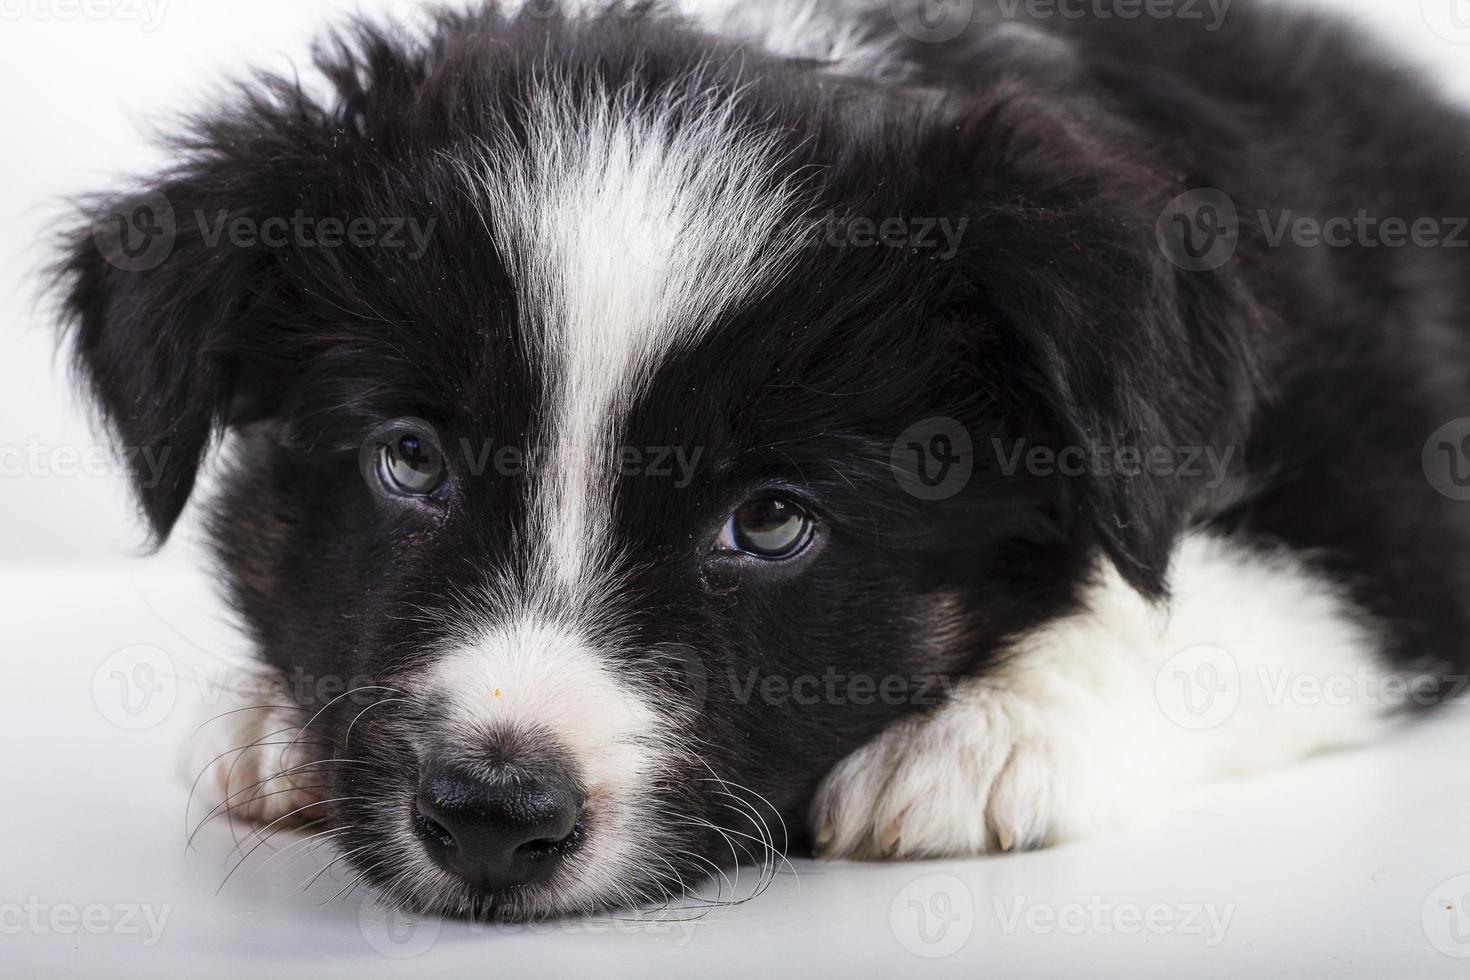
(513, 851)
(503, 873)
(502, 829)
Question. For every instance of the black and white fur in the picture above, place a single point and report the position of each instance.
(628, 250)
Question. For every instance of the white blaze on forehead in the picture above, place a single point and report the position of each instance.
(629, 224)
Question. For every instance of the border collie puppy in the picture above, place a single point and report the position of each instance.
(657, 437)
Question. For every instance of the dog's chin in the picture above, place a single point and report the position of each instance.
(435, 892)
(413, 882)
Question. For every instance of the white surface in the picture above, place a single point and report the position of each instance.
(1331, 868)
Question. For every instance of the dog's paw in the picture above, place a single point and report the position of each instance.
(988, 771)
(250, 765)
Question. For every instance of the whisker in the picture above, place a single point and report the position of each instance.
(247, 854)
(248, 707)
(194, 786)
(341, 857)
(347, 741)
(767, 864)
(357, 881)
(320, 837)
(263, 796)
(285, 816)
(344, 694)
(224, 805)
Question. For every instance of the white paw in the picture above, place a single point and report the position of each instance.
(989, 771)
(1083, 728)
(249, 764)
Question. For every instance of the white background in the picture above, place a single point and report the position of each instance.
(1328, 868)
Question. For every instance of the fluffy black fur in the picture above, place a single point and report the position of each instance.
(1061, 321)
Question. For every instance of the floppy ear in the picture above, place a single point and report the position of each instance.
(1116, 346)
(184, 302)
(152, 305)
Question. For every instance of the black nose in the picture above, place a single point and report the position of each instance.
(499, 827)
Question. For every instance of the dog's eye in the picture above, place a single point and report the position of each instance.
(768, 527)
(411, 466)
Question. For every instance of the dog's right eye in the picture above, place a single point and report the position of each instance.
(410, 465)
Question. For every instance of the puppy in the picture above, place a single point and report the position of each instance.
(655, 438)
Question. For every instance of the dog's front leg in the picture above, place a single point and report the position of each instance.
(1112, 713)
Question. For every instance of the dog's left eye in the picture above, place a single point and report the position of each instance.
(768, 527)
(411, 466)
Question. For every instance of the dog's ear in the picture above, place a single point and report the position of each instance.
(183, 301)
(1095, 329)
(152, 306)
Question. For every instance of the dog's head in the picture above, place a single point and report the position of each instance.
(637, 424)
